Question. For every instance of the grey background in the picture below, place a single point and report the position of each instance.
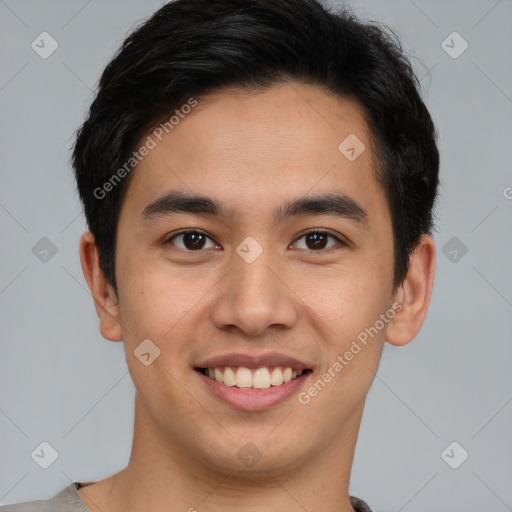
(61, 382)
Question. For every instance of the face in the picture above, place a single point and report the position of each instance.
(285, 260)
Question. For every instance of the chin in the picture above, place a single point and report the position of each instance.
(254, 457)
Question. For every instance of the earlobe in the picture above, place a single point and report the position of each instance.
(105, 300)
(414, 294)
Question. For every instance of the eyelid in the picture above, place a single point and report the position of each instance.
(311, 231)
(340, 239)
(168, 238)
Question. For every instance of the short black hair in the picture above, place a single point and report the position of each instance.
(191, 47)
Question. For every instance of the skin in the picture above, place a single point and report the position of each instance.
(252, 151)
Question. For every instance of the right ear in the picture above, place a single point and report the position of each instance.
(105, 299)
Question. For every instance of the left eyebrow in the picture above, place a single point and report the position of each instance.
(337, 204)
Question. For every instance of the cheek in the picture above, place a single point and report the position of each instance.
(352, 341)
(344, 302)
(157, 307)
(347, 312)
(151, 310)
(157, 299)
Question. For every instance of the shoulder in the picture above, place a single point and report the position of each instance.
(67, 500)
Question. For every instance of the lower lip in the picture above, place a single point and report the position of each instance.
(251, 399)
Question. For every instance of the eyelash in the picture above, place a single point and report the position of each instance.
(302, 235)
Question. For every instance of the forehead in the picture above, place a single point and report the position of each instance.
(251, 148)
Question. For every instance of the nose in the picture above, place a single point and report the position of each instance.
(255, 296)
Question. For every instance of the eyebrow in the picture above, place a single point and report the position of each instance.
(335, 203)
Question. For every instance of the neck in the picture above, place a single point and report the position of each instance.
(161, 474)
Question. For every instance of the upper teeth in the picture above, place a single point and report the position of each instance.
(261, 378)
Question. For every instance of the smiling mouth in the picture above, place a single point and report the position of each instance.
(259, 378)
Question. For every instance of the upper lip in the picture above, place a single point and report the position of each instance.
(254, 361)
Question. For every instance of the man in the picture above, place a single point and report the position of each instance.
(258, 179)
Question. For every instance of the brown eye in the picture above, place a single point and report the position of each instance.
(191, 240)
(318, 240)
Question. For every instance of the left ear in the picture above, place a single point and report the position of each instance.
(414, 294)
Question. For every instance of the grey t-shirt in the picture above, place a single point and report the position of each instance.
(68, 500)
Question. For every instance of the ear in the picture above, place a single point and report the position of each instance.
(105, 299)
(414, 294)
